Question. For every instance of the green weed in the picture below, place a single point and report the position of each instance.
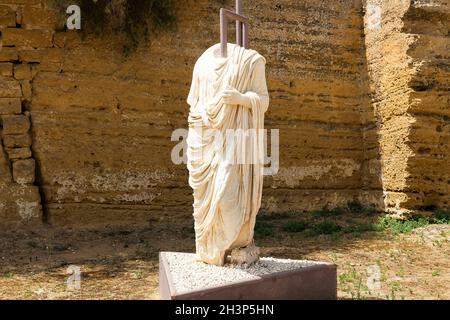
(264, 229)
(397, 226)
(295, 226)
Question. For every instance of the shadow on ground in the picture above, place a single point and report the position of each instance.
(122, 263)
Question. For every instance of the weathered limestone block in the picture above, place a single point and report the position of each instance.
(13, 190)
(6, 69)
(29, 211)
(10, 106)
(27, 38)
(408, 59)
(27, 90)
(19, 2)
(395, 202)
(245, 256)
(5, 172)
(7, 17)
(19, 16)
(436, 102)
(18, 153)
(41, 55)
(8, 54)
(24, 171)
(34, 70)
(9, 88)
(20, 206)
(15, 124)
(59, 39)
(22, 71)
(427, 46)
(38, 18)
(17, 140)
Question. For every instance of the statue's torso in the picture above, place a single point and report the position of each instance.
(210, 76)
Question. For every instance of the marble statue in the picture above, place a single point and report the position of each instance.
(228, 94)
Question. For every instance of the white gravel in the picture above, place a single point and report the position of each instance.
(188, 274)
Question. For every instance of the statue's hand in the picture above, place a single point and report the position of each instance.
(232, 96)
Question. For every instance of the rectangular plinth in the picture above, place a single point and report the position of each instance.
(181, 277)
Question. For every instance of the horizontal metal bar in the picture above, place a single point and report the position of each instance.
(233, 15)
(225, 16)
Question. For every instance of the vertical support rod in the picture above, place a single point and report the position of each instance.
(223, 33)
(245, 35)
(239, 40)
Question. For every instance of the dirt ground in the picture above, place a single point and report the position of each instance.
(122, 263)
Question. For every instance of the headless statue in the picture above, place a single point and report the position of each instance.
(228, 94)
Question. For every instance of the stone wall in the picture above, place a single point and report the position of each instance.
(408, 63)
(318, 88)
(101, 124)
(19, 197)
(429, 138)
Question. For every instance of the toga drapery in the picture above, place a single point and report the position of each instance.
(227, 194)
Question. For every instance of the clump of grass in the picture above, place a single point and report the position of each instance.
(397, 226)
(327, 227)
(264, 229)
(351, 207)
(319, 227)
(188, 232)
(326, 212)
(436, 273)
(360, 228)
(352, 282)
(275, 216)
(441, 217)
(295, 226)
(324, 227)
(357, 207)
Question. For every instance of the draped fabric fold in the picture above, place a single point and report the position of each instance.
(226, 150)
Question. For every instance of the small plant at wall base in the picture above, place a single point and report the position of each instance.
(136, 20)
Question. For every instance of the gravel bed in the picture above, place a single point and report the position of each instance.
(188, 274)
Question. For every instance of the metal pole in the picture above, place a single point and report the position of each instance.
(223, 33)
(245, 35)
(226, 15)
(239, 41)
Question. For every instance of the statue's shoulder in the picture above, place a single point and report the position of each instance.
(255, 56)
(210, 50)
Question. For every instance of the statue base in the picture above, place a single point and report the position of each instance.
(245, 256)
(182, 277)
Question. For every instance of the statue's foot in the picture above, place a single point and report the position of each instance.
(246, 255)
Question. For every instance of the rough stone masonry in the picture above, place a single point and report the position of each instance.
(359, 91)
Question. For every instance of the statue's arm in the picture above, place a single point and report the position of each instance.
(258, 89)
(259, 85)
(193, 91)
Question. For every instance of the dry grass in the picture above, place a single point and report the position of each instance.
(123, 263)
